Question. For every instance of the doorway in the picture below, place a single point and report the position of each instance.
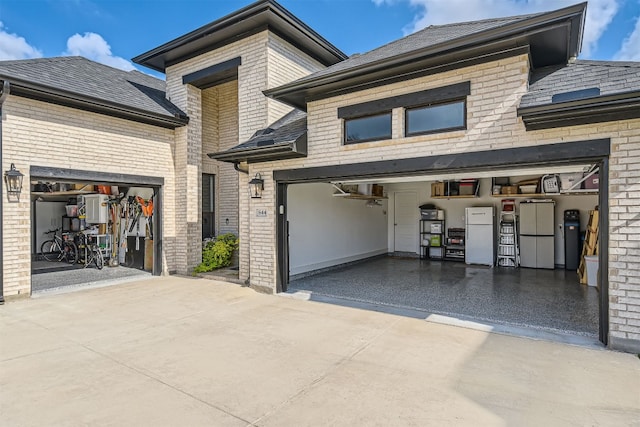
(405, 222)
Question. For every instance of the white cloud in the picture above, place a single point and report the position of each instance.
(94, 47)
(630, 49)
(600, 13)
(12, 46)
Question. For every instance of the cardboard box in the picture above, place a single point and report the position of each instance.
(509, 189)
(377, 190)
(592, 183)
(437, 189)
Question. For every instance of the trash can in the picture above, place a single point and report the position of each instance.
(592, 269)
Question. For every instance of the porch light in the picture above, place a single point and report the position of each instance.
(256, 185)
(13, 179)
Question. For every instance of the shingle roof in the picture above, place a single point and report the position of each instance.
(286, 130)
(423, 39)
(609, 76)
(81, 76)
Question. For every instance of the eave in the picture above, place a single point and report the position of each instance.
(281, 151)
(620, 106)
(259, 16)
(565, 25)
(86, 103)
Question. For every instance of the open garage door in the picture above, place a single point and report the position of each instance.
(91, 227)
(342, 241)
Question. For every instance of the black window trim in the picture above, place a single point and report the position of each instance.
(408, 134)
(358, 141)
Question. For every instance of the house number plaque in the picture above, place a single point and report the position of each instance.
(261, 213)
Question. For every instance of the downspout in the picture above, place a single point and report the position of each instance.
(236, 166)
(6, 88)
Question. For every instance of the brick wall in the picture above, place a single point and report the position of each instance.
(40, 134)
(220, 132)
(496, 89)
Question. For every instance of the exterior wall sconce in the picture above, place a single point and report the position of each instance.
(256, 186)
(13, 180)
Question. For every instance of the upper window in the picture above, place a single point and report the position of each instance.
(370, 128)
(436, 118)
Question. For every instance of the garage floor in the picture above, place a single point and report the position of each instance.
(45, 278)
(546, 299)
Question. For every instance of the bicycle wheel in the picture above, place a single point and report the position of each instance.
(50, 250)
(70, 252)
(98, 259)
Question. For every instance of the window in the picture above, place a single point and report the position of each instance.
(368, 128)
(436, 118)
(208, 205)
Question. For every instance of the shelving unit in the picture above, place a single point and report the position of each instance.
(455, 197)
(454, 249)
(432, 232)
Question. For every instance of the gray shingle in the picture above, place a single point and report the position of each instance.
(423, 39)
(610, 77)
(81, 76)
(286, 130)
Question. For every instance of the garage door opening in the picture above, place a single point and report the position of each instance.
(92, 231)
(416, 242)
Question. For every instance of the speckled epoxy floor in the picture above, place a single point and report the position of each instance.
(548, 299)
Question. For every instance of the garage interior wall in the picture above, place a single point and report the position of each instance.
(326, 231)
(455, 208)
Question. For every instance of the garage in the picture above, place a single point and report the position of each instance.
(372, 240)
(92, 228)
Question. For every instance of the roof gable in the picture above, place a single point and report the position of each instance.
(259, 16)
(549, 37)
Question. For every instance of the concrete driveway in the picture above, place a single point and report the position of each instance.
(192, 352)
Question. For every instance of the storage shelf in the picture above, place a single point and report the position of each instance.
(569, 192)
(358, 196)
(470, 196)
(62, 193)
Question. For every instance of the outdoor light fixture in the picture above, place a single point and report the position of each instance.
(13, 179)
(256, 185)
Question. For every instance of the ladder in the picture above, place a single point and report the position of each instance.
(508, 252)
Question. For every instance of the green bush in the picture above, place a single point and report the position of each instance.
(217, 253)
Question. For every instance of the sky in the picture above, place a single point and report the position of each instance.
(114, 31)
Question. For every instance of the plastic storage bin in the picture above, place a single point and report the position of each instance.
(592, 269)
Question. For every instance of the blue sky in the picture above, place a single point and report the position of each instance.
(113, 31)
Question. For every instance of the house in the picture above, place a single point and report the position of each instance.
(482, 105)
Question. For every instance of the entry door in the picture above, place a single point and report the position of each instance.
(406, 222)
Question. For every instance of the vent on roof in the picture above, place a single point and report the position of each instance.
(576, 94)
(265, 143)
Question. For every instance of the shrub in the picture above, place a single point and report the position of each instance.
(217, 253)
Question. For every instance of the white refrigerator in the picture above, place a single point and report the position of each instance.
(479, 235)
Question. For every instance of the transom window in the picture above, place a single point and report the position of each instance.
(436, 118)
(370, 128)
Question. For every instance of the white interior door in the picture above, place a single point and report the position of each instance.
(405, 221)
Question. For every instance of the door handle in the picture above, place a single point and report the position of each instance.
(395, 225)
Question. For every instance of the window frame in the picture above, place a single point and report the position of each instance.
(463, 126)
(345, 120)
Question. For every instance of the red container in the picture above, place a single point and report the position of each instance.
(592, 183)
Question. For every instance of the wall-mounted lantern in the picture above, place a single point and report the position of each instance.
(13, 180)
(256, 185)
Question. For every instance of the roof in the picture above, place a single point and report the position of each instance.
(425, 38)
(551, 37)
(609, 76)
(286, 138)
(257, 17)
(581, 92)
(80, 82)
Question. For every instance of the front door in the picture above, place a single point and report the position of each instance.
(405, 222)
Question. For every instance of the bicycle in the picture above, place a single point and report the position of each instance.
(92, 252)
(59, 248)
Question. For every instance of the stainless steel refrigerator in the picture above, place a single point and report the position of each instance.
(537, 235)
(479, 235)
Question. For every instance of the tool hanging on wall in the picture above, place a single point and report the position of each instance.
(147, 210)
